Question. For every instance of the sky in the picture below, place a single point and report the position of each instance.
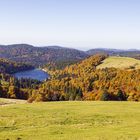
(80, 24)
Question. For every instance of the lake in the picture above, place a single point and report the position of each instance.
(33, 74)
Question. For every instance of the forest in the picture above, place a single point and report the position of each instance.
(39, 56)
(10, 67)
(83, 81)
(79, 81)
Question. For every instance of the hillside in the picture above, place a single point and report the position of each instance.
(10, 67)
(120, 62)
(84, 81)
(134, 53)
(104, 51)
(80, 81)
(39, 55)
(70, 121)
(11, 87)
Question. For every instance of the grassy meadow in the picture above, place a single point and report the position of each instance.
(70, 121)
(120, 62)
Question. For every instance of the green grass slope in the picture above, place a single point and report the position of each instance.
(120, 62)
(71, 121)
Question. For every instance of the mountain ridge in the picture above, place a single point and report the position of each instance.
(39, 56)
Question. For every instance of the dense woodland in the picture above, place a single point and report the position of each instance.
(59, 65)
(80, 81)
(7, 66)
(39, 56)
(10, 87)
(83, 81)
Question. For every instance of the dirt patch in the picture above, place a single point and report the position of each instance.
(6, 102)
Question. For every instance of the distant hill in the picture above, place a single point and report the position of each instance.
(116, 52)
(104, 50)
(39, 55)
(10, 67)
(120, 62)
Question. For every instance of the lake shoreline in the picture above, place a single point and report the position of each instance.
(36, 74)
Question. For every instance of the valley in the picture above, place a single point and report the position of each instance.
(69, 69)
(36, 74)
(97, 77)
(70, 99)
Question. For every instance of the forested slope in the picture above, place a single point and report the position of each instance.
(82, 81)
(7, 66)
(39, 56)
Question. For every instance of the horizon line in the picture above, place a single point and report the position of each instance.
(62, 46)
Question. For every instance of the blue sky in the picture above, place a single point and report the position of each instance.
(81, 24)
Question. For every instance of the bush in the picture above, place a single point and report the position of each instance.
(105, 96)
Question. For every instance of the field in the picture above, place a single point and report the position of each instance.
(120, 62)
(70, 121)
